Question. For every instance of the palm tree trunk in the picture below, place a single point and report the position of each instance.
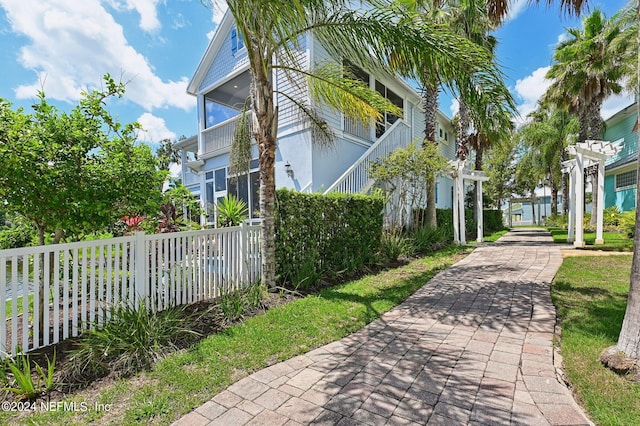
(595, 126)
(265, 130)
(565, 186)
(629, 339)
(430, 101)
(462, 130)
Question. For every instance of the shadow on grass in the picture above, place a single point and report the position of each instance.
(592, 311)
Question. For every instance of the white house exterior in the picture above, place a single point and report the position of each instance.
(221, 85)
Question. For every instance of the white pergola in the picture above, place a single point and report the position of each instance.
(587, 154)
(460, 174)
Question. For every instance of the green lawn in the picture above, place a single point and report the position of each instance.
(187, 379)
(590, 294)
(613, 241)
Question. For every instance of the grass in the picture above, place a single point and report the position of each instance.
(493, 237)
(187, 379)
(613, 241)
(590, 294)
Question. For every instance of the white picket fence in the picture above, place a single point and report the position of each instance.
(81, 281)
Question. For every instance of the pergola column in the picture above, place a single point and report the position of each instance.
(479, 212)
(600, 212)
(572, 205)
(579, 171)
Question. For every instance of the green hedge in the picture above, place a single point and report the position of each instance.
(318, 234)
(492, 220)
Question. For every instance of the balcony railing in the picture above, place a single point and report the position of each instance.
(220, 136)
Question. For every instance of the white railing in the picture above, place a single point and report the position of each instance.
(356, 178)
(82, 281)
(220, 136)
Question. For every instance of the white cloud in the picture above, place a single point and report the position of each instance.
(516, 7)
(155, 129)
(219, 8)
(146, 8)
(73, 43)
(615, 103)
(454, 107)
(529, 89)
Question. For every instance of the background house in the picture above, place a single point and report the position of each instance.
(221, 85)
(620, 170)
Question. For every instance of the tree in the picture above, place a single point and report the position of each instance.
(402, 175)
(588, 68)
(77, 172)
(500, 169)
(370, 39)
(546, 136)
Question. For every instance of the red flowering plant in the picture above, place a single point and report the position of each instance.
(133, 223)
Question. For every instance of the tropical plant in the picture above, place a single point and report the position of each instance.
(231, 211)
(168, 217)
(372, 38)
(21, 382)
(132, 339)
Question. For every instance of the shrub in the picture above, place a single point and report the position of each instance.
(627, 223)
(132, 339)
(318, 234)
(393, 245)
(429, 239)
(236, 303)
(611, 217)
(19, 380)
(557, 220)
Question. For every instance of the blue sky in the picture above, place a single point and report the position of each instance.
(65, 46)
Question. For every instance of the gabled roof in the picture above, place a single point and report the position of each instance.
(210, 54)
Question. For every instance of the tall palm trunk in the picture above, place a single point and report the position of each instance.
(463, 131)
(629, 339)
(430, 100)
(565, 185)
(265, 130)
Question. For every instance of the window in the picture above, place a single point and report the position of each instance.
(626, 180)
(437, 187)
(209, 197)
(237, 42)
(247, 188)
(388, 119)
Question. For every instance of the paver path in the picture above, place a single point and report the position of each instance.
(472, 346)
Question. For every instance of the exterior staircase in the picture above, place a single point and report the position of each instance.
(356, 178)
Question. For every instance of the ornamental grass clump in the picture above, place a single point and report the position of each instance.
(132, 339)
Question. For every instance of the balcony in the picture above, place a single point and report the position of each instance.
(218, 139)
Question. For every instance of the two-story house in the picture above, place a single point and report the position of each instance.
(221, 85)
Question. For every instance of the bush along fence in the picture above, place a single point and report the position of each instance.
(319, 234)
(54, 292)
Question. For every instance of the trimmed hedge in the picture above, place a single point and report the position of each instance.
(319, 234)
(492, 220)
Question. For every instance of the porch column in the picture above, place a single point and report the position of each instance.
(572, 205)
(600, 212)
(579, 241)
(479, 211)
(202, 119)
(456, 221)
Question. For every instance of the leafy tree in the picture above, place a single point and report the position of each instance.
(403, 175)
(77, 172)
(370, 39)
(186, 203)
(500, 168)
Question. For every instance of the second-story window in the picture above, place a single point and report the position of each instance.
(237, 41)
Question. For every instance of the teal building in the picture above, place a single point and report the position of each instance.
(621, 170)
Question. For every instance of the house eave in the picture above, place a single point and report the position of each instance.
(212, 50)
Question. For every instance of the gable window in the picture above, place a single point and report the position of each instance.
(237, 42)
(626, 180)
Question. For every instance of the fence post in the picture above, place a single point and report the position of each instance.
(141, 268)
(244, 255)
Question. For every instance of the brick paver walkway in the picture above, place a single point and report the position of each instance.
(472, 346)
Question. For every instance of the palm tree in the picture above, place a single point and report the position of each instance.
(546, 137)
(629, 338)
(370, 39)
(587, 69)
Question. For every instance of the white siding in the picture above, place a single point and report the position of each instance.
(294, 86)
